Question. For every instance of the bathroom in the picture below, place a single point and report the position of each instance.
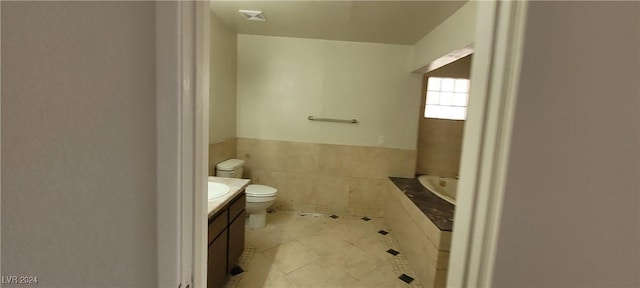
(263, 91)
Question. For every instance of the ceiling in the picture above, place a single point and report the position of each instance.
(394, 22)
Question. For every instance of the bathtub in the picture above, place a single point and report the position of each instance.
(444, 188)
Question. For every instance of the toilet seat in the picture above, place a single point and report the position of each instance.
(257, 190)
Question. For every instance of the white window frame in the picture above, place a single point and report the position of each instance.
(436, 107)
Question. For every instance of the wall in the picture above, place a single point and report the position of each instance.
(222, 104)
(453, 34)
(281, 81)
(570, 214)
(319, 166)
(440, 140)
(325, 178)
(78, 143)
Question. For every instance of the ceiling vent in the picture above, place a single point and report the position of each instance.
(253, 15)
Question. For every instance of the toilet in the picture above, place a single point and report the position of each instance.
(259, 197)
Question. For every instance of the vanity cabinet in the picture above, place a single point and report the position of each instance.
(226, 240)
(237, 217)
(216, 261)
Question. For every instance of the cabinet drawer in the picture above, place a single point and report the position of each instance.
(217, 225)
(237, 206)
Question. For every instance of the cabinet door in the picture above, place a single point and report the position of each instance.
(236, 240)
(217, 261)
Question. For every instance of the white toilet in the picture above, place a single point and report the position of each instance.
(259, 197)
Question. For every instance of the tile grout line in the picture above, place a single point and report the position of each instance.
(399, 263)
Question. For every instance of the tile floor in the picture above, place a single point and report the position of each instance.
(315, 250)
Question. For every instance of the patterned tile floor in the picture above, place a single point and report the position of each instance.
(315, 250)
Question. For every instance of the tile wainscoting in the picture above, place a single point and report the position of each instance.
(439, 147)
(219, 152)
(325, 178)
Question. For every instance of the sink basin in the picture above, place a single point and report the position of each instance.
(217, 190)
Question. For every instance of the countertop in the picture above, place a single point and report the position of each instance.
(439, 211)
(236, 185)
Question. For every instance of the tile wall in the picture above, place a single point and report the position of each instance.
(440, 140)
(221, 151)
(325, 178)
(439, 147)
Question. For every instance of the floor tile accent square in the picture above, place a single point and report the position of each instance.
(366, 218)
(383, 232)
(236, 270)
(393, 252)
(406, 278)
(334, 216)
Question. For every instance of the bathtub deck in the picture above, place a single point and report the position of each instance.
(439, 211)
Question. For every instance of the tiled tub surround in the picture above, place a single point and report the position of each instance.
(236, 185)
(325, 178)
(422, 223)
(221, 151)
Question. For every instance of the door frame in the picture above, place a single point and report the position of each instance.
(182, 125)
(495, 71)
(201, 134)
(495, 74)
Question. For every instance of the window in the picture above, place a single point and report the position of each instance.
(447, 98)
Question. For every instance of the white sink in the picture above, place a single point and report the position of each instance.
(217, 190)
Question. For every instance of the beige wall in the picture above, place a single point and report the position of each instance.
(222, 102)
(281, 81)
(319, 166)
(570, 214)
(221, 151)
(454, 33)
(323, 177)
(440, 140)
(79, 143)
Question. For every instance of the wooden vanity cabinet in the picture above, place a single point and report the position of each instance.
(237, 219)
(216, 261)
(226, 240)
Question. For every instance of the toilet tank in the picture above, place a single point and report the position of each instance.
(231, 168)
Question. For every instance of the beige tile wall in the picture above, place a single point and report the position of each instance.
(439, 140)
(439, 147)
(221, 151)
(325, 178)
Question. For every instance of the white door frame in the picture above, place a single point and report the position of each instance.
(182, 107)
(202, 35)
(495, 73)
(187, 143)
(498, 45)
(169, 93)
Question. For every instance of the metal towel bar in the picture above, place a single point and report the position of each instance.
(353, 121)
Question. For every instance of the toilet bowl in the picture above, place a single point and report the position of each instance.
(259, 197)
